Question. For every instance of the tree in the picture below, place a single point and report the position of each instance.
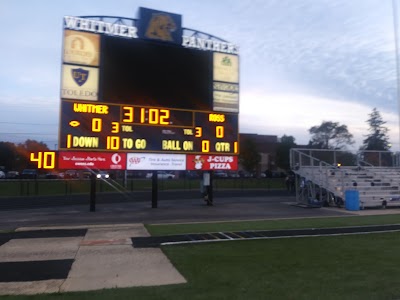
(283, 151)
(377, 139)
(249, 156)
(330, 135)
(24, 149)
(8, 155)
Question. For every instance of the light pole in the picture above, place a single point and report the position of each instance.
(396, 42)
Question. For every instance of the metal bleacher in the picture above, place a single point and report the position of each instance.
(324, 176)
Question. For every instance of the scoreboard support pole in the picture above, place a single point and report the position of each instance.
(125, 179)
(207, 184)
(92, 192)
(210, 189)
(154, 190)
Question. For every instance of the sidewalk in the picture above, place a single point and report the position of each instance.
(364, 212)
(103, 257)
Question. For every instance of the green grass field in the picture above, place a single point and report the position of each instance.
(350, 267)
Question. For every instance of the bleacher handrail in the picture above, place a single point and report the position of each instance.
(322, 180)
(376, 174)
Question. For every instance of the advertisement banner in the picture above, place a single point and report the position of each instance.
(211, 162)
(166, 162)
(81, 48)
(224, 101)
(91, 160)
(79, 82)
(226, 67)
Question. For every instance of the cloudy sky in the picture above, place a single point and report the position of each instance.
(301, 61)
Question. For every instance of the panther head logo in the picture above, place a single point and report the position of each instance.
(160, 27)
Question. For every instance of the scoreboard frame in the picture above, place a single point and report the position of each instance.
(91, 123)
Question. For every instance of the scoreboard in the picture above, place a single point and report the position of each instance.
(111, 127)
(146, 88)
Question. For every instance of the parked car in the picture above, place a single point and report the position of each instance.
(191, 175)
(71, 174)
(161, 175)
(220, 174)
(276, 174)
(86, 174)
(245, 174)
(136, 174)
(52, 175)
(2, 175)
(233, 174)
(29, 174)
(102, 175)
(12, 175)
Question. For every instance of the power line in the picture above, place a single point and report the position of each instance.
(15, 123)
(33, 133)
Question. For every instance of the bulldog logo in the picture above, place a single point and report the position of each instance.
(80, 76)
(160, 27)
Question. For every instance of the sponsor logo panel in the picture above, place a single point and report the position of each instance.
(91, 160)
(226, 87)
(226, 67)
(81, 48)
(80, 83)
(145, 161)
(224, 101)
(211, 162)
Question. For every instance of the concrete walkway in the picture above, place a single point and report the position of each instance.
(103, 258)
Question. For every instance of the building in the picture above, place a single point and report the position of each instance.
(266, 145)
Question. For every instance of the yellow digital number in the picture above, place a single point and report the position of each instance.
(164, 116)
(142, 115)
(153, 116)
(113, 142)
(205, 146)
(49, 160)
(128, 114)
(199, 132)
(37, 159)
(44, 160)
(115, 127)
(219, 132)
(96, 125)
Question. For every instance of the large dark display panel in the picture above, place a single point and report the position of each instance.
(139, 72)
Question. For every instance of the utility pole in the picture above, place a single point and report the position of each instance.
(396, 42)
